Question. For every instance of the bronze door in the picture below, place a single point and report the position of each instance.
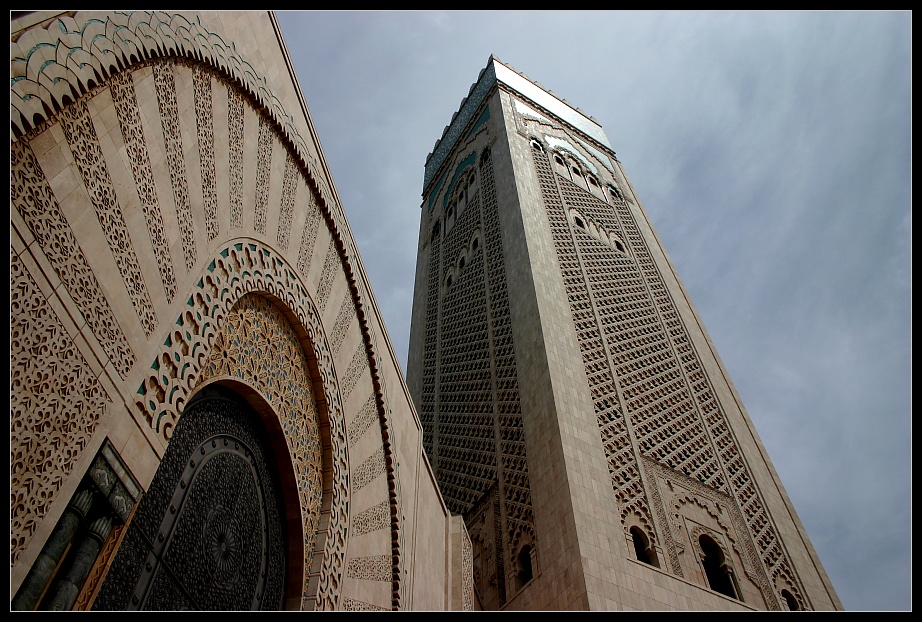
(210, 533)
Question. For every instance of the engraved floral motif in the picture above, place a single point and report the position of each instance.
(84, 146)
(204, 115)
(263, 161)
(169, 118)
(279, 370)
(129, 117)
(55, 405)
(33, 199)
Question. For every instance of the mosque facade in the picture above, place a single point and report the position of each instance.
(205, 410)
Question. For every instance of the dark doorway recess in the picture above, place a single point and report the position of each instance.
(210, 533)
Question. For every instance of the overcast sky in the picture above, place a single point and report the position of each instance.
(772, 151)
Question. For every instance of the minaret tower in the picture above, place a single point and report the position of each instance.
(575, 411)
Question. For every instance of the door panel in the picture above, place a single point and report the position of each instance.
(209, 534)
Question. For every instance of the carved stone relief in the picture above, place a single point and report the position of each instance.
(646, 379)
(162, 44)
(129, 118)
(84, 146)
(56, 403)
(258, 345)
(686, 502)
(33, 199)
(169, 117)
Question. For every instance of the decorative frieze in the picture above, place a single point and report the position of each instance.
(372, 568)
(235, 155)
(204, 123)
(165, 84)
(84, 146)
(289, 190)
(367, 471)
(263, 162)
(129, 118)
(35, 202)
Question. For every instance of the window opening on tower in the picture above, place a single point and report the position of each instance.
(642, 549)
(718, 572)
(525, 571)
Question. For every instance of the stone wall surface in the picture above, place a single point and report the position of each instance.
(173, 225)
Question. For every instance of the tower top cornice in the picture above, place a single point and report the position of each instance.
(496, 72)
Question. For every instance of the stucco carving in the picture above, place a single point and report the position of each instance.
(257, 345)
(76, 56)
(47, 435)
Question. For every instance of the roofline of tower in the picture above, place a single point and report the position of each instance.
(494, 72)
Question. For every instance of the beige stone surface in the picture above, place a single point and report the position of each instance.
(292, 247)
(656, 440)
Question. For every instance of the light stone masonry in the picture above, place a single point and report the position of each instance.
(625, 471)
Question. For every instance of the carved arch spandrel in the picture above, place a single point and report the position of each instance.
(675, 491)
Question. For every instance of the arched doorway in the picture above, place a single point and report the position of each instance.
(210, 533)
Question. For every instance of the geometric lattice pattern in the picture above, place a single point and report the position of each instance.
(55, 405)
(470, 406)
(85, 148)
(515, 486)
(165, 83)
(129, 117)
(237, 270)
(31, 195)
(259, 346)
(644, 375)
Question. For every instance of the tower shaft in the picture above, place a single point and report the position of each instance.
(574, 409)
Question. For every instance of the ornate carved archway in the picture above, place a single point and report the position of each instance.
(210, 533)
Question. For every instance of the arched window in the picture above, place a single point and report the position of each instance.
(642, 549)
(576, 175)
(718, 573)
(450, 216)
(560, 166)
(579, 222)
(525, 572)
(790, 600)
(594, 186)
